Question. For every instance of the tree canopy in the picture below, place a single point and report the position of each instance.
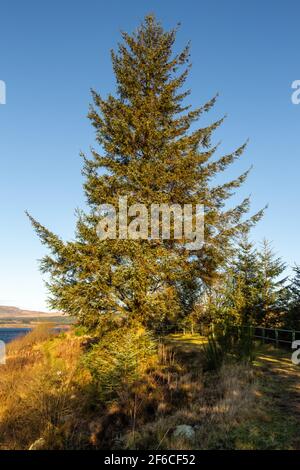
(151, 150)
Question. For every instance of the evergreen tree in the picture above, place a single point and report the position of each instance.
(150, 153)
(242, 294)
(250, 290)
(292, 319)
(272, 290)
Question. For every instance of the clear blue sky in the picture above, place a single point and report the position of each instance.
(52, 53)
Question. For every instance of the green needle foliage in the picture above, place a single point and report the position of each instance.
(245, 288)
(252, 290)
(151, 151)
(272, 288)
(292, 319)
(120, 359)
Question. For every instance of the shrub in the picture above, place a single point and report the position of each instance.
(119, 359)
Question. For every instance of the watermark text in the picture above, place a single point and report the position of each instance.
(163, 221)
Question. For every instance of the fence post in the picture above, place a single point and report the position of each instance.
(293, 335)
(263, 335)
(276, 336)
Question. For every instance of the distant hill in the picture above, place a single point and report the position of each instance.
(13, 312)
(17, 317)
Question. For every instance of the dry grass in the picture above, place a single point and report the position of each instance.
(48, 398)
(213, 408)
(38, 386)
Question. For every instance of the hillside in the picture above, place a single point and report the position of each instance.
(14, 316)
(7, 311)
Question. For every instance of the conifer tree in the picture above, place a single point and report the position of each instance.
(292, 319)
(151, 152)
(272, 290)
(251, 290)
(243, 278)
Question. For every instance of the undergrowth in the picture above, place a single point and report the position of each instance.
(125, 391)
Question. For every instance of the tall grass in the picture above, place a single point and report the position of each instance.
(36, 386)
(228, 342)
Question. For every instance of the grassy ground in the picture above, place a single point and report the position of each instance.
(49, 400)
(273, 422)
(276, 423)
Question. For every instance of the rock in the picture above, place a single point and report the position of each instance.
(185, 431)
(38, 444)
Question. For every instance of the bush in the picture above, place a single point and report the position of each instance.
(119, 359)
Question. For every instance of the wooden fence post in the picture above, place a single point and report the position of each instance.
(276, 336)
(293, 335)
(263, 334)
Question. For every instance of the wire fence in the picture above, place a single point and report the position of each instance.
(276, 336)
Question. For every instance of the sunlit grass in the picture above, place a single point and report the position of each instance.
(186, 342)
(47, 396)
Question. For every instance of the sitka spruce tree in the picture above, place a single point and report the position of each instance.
(151, 152)
(272, 288)
(234, 300)
(245, 285)
(252, 290)
(292, 317)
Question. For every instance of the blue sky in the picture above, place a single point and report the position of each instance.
(52, 53)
